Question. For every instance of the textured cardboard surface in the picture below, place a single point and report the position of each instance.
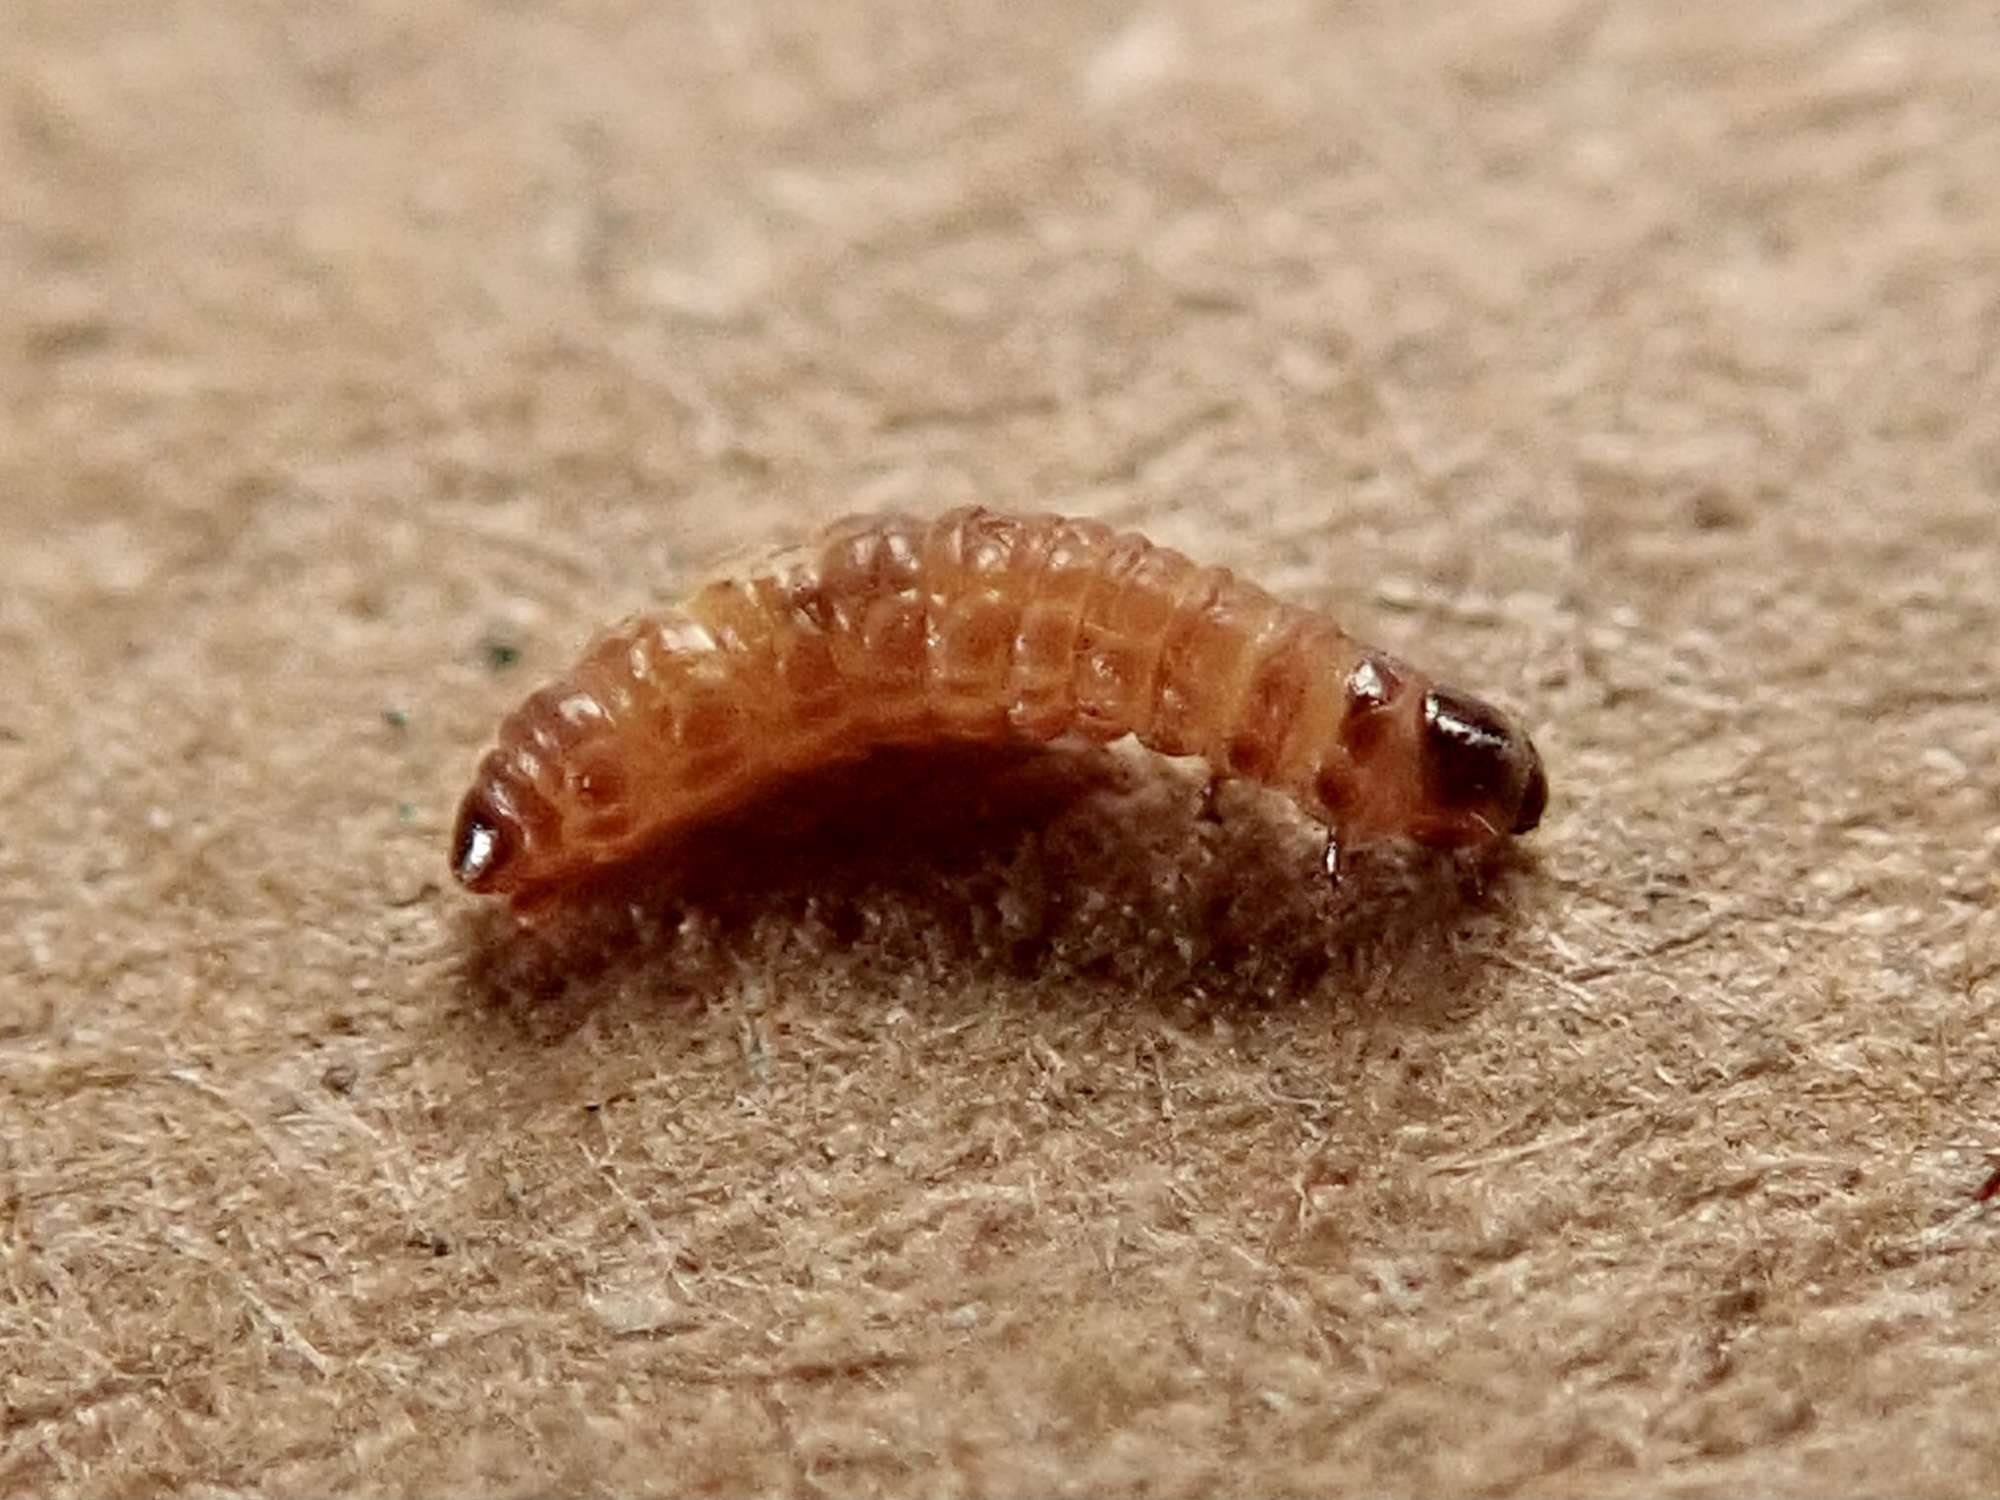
(1025, 1130)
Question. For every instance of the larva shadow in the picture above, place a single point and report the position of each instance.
(1072, 871)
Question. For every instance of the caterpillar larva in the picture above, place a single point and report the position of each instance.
(975, 626)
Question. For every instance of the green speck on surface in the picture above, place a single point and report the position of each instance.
(395, 718)
(500, 655)
(406, 810)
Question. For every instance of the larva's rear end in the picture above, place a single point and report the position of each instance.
(563, 790)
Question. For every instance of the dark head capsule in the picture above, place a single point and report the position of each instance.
(1481, 775)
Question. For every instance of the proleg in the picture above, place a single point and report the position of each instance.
(976, 627)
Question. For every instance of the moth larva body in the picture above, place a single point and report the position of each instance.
(983, 627)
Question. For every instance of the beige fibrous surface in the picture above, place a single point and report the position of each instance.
(989, 1122)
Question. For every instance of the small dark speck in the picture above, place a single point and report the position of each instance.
(1712, 510)
(406, 810)
(64, 338)
(340, 1078)
(395, 718)
(9, 735)
(500, 655)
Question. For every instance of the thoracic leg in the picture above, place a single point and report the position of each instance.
(1211, 790)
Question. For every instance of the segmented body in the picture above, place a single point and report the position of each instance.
(975, 626)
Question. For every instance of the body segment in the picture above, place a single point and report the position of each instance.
(975, 626)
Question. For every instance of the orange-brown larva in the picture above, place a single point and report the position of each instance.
(975, 627)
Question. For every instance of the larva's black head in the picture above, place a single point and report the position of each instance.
(1481, 775)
